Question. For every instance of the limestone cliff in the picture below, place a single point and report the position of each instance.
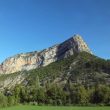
(36, 59)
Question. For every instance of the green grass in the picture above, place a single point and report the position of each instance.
(29, 107)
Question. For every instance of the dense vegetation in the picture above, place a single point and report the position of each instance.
(81, 79)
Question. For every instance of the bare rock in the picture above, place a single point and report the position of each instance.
(36, 59)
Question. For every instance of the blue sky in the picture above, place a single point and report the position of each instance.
(29, 25)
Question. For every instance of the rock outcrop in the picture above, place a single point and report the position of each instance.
(36, 59)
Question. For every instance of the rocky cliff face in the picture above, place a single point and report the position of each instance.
(36, 59)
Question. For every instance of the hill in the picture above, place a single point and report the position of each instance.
(64, 74)
(79, 79)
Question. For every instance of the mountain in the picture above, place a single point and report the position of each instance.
(32, 60)
(64, 74)
(78, 61)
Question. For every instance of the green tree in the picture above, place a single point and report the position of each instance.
(79, 95)
(3, 100)
(16, 93)
(11, 100)
(100, 94)
(40, 96)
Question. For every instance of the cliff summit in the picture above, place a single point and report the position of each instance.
(33, 60)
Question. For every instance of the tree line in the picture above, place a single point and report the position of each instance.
(70, 94)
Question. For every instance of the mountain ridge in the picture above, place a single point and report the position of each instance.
(32, 60)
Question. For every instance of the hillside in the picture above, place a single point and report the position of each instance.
(82, 68)
(83, 72)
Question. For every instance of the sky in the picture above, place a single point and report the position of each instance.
(29, 25)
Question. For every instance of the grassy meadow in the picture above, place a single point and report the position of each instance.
(29, 107)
